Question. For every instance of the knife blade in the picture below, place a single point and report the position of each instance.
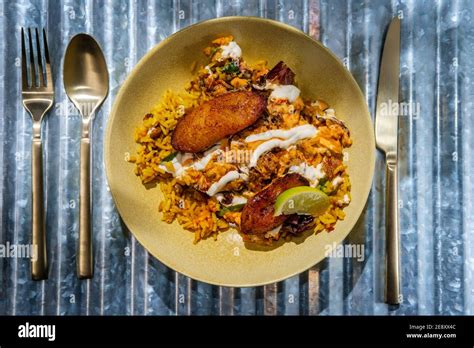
(386, 135)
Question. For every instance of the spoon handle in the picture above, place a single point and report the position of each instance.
(85, 266)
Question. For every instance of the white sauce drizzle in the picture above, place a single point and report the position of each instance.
(306, 130)
(291, 136)
(346, 199)
(289, 92)
(231, 50)
(220, 184)
(313, 174)
(200, 164)
(208, 69)
(336, 181)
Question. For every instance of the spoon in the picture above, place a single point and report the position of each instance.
(86, 80)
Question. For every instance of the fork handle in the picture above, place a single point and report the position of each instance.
(85, 266)
(39, 260)
(392, 291)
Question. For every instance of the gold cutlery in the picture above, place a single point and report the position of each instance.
(386, 135)
(86, 81)
(37, 93)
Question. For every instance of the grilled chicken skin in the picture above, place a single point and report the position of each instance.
(257, 215)
(216, 119)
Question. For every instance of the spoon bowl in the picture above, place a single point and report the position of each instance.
(86, 78)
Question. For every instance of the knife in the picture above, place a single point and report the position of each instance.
(386, 136)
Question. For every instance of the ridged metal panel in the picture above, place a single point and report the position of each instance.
(436, 164)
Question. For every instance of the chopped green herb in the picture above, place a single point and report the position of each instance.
(232, 208)
(170, 157)
(324, 185)
(213, 51)
(231, 68)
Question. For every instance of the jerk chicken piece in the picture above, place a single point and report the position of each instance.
(216, 119)
(282, 74)
(257, 215)
(330, 164)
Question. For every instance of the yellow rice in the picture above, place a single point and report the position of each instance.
(194, 210)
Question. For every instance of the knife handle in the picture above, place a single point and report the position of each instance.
(39, 259)
(85, 266)
(392, 290)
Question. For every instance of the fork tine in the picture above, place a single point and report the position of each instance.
(49, 78)
(40, 59)
(24, 71)
(32, 60)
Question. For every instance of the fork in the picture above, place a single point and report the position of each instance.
(38, 96)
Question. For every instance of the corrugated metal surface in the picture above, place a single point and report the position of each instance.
(436, 188)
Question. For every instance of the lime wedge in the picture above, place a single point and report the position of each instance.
(303, 200)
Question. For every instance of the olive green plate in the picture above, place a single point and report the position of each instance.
(228, 261)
